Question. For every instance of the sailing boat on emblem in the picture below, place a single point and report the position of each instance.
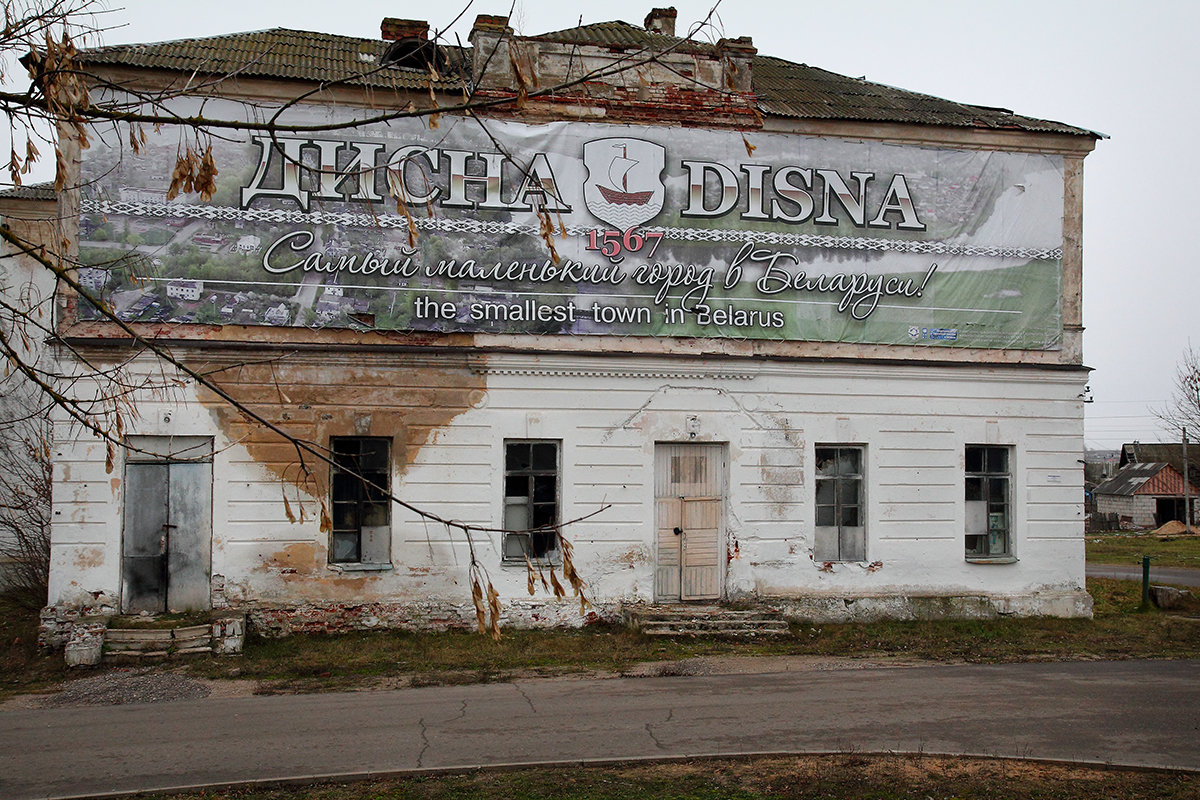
(618, 176)
(612, 165)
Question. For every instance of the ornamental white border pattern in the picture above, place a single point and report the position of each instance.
(475, 226)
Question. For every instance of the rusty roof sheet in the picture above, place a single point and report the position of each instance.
(281, 53)
(783, 88)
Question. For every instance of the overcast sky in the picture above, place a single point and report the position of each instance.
(1129, 70)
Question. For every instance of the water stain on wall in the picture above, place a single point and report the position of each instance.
(405, 398)
(312, 398)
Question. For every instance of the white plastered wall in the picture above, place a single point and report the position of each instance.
(609, 412)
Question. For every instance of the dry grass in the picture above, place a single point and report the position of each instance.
(793, 778)
(1128, 548)
(385, 659)
(22, 669)
(309, 663)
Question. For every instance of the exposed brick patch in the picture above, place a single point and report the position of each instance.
(276, 621)
(56, 622)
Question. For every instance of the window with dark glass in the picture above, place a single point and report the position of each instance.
(531, 500)
(359, 498)
(841, 532)
(988, 501)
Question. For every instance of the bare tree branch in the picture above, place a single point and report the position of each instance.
(1183, 409)
(67, 96)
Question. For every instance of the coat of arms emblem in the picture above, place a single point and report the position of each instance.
(624, 186)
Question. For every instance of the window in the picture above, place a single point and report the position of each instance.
(989, 508)
(841, 533)
(361, 510)
(531, 500)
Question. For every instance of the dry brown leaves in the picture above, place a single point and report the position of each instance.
(194, 173)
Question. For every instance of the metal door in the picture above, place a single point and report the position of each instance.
(143, 560)
(167, 550)
(689, 485)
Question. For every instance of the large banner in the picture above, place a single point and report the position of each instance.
(463, 224)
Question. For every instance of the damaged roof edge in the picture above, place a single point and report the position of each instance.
(781, 88)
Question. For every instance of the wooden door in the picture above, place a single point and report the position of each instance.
(689, 487)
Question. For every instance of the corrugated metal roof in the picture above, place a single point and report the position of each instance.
(784, 88)
(1129, 479)
(794, 90)
(36, 191)
(280, 53)
(787, 89)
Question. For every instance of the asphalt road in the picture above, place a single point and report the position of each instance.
(1176, 576)
(1130, 712)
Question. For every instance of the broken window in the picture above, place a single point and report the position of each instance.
(841, 532)
(989, 510)
(531, 492)
(361, 509)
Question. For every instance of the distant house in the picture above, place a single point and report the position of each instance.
(1144, 495)
(277, 315)
(1163, 453)
(185, 290)
(93, 279)
(330, 306)
(137, 194)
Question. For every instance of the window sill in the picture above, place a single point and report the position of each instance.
(545, 563)
(359, 567)
(992, 559)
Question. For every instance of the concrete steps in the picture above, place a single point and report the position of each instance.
(688, 620)
(146, 642)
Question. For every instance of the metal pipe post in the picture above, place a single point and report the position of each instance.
(1187, 488)
(1145, 583)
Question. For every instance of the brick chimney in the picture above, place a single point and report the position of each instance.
(737, 57)
(395, 29)
(491, 39)
(661, 20)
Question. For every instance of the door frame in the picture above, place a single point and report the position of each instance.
(168, 451)
(720, 452)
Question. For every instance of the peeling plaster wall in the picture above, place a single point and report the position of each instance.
(449, 417)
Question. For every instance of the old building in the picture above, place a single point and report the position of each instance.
(185, 290)
(1172, 453)
(773, 333)
(1145, 495)
(1148, 489)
